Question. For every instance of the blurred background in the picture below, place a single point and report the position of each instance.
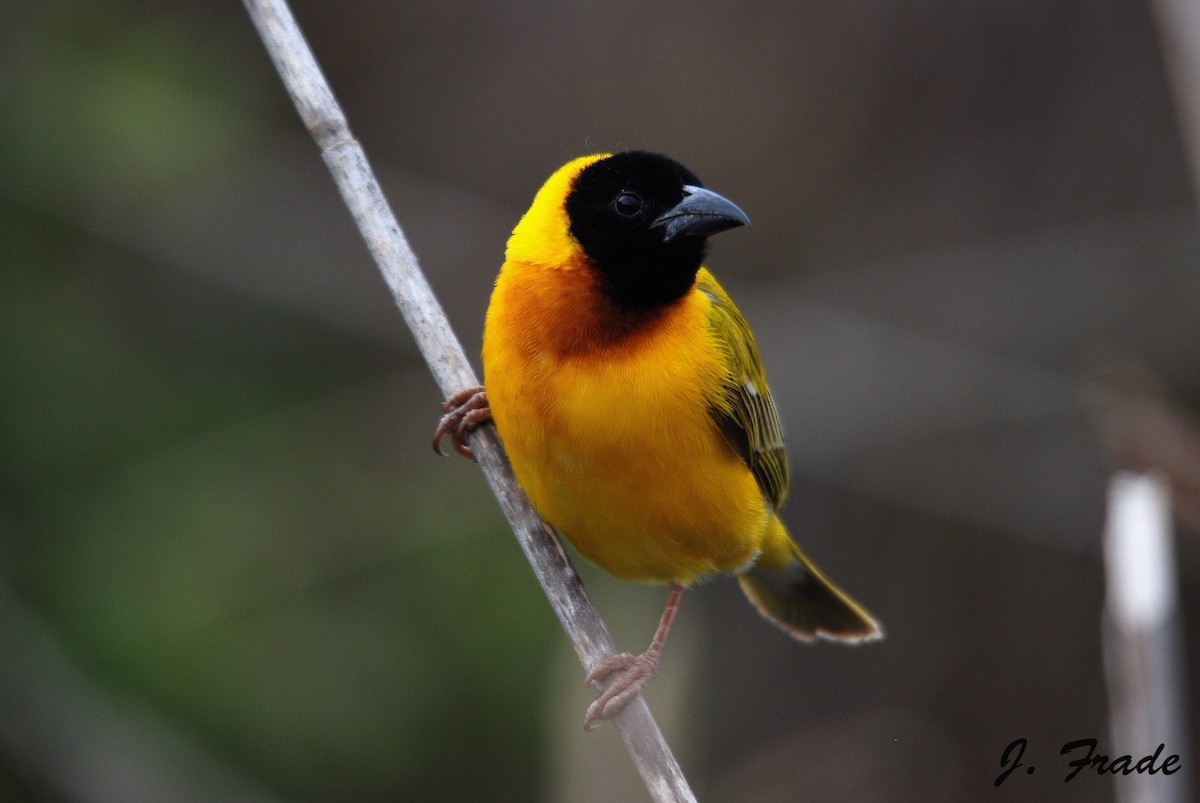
(232, 569)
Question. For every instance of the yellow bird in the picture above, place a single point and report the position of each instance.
(631, 399)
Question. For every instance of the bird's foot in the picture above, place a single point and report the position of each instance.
(633, 673)
(464, 412)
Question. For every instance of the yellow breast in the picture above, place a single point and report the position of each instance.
(606, 418)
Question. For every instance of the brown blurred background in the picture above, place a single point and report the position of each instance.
(230, 566)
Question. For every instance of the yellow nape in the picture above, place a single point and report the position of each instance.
(543, 237)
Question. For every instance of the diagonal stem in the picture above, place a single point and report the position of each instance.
(347, 162)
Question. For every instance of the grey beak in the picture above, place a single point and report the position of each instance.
(701, 213)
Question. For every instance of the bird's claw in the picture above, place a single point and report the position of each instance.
(635, 671)
(464, 412)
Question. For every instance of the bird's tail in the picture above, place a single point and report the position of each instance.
(787, 588)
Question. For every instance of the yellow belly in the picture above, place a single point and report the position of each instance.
(617, 449)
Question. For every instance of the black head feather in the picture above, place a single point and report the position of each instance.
(613, 206)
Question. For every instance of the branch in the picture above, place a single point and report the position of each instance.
(1143, 654)
(1179, 36)
(1148, 431)
(343, 155)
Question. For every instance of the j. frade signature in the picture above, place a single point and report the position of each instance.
(1088, 758)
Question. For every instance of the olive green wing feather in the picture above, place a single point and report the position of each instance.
(744, 412)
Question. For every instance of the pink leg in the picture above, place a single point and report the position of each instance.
(464, 412)
(635, 671)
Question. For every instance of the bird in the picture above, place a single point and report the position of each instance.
(631, 398)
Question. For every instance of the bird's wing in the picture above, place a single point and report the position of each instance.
(745, 413)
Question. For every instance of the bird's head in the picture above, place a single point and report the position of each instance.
(639, 220)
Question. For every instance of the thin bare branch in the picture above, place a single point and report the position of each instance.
(1179, 33)
(1143, 655)
(345, 158)
(1147, 430)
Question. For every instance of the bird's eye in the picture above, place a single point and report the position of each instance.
(628, 204)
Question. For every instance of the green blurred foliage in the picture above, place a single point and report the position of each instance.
(225, 509)
(114, 105)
